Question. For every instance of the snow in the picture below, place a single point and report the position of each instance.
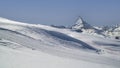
(39, 46)
(34, 59)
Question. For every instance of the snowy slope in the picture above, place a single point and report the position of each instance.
(29, 46)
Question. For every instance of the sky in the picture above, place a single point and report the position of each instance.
(62, 12)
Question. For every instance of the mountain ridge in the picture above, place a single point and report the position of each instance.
(106, 31)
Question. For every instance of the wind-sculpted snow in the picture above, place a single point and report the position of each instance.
(14, 32)
(10, 44)
(13, 35)
(68, 38)
(46, 33)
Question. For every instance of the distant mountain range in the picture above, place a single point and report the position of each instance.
(82, 26)
(105, 31)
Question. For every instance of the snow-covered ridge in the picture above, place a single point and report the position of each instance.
(10, 21)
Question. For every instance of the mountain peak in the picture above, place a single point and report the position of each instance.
(79, 20)
(81, 24)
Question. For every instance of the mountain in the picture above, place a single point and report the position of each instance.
(106, 31)
(113, 31)
(81, 24)
(25, 45)
(84, 27)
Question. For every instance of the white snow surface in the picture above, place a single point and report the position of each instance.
(39, 46)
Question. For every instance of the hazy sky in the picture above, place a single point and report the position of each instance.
(61, 12)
